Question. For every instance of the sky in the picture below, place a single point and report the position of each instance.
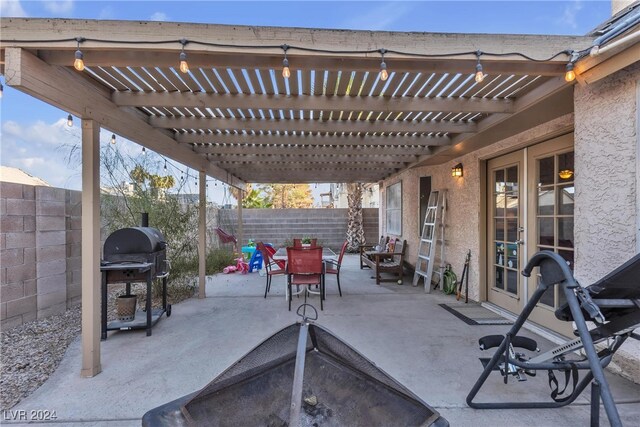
(35, 138)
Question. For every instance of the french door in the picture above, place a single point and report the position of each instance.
(530, 208)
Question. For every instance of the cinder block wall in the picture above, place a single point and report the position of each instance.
(276, 226)
(40, 252)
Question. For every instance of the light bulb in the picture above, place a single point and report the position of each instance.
(479, 76)
(384, 74)
(1, 90)
(113, 138)
(286, 72)
(570, 75)
(144, 151)
(78, 64)
(184, 67)
(69, 120)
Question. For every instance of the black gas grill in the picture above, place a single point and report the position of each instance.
(130, 255)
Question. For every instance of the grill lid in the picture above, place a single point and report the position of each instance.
(134, 240)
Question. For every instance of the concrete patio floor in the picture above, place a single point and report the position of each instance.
(400, 328)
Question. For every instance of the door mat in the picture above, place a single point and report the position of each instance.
(474, 314)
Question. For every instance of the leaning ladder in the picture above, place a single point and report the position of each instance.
(433, 223)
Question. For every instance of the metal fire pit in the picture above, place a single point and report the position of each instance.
(302, 375)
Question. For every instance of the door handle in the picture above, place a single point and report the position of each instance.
(519, 242)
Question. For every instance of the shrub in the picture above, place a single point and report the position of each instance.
(217, 259)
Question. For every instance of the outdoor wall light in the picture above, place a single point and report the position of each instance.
(69, 120)
(565, 173)
(456, 171)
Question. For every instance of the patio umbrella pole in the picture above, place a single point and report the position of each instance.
(298, 375)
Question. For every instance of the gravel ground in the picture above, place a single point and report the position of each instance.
(31, 352)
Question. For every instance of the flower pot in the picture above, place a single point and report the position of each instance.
(126, 307)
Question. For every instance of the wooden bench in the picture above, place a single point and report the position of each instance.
(364, 249)
(387, 262)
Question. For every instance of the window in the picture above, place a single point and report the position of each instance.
(394, 209)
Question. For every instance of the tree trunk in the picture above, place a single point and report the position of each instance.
(355, 229)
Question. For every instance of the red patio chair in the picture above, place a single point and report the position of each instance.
(227, 238)
(305, 268)
(269, 264)
(333, 266)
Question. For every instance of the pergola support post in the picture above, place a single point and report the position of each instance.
(90, 248)
(240, 229)
(202, 235)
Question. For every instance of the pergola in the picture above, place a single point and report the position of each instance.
(234, 116)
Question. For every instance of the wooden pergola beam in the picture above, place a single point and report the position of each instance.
(310, 150)
(215, 158)
(335, 139)
(67, 90)
(307, 125)
(310, 102)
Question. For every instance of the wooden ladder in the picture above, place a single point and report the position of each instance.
(433, 225)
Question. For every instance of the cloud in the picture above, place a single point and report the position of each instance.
(11, 8)
(106, 13)
(58, 7)
(569, 15)
(158, 16)
(380, 17)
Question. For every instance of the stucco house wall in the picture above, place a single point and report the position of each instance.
(607, 202)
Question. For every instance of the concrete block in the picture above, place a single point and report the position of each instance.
(51, 253)
(28, 192)
(75, 197)
(50, 223)
(29, 317)
(10, 190)
(20, 240)
(52, 284)
(3, 206)
(20, 273)
(72, 302)
(54, 309)
(11, 257)
(74, 263)
(3, 241)
(74, 236)
(30, 287)
(75, 209)
(21, 207)
(29, 223)
(50, 193)
(11, 322)
(74, 290)
(47, 207)
(12, 223)
(3, 310)
(11, 292)
(74, 250)
(29, 255)
(52, 299)
(76, 276)
(51, 268)
(74, 223)
(21, 306)
(50, 238)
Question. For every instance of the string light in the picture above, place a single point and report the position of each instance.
(78, 64)
(1, 90)
(384, 74)
(113, 138)
(570, 75)
(479, 72)
(184, 66)
(286, 72)
(69, 120)
(165, 165)
(144, 151)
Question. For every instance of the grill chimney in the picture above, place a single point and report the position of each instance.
(144, 219)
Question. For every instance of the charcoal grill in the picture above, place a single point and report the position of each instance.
(135, 254)
(302, 375)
